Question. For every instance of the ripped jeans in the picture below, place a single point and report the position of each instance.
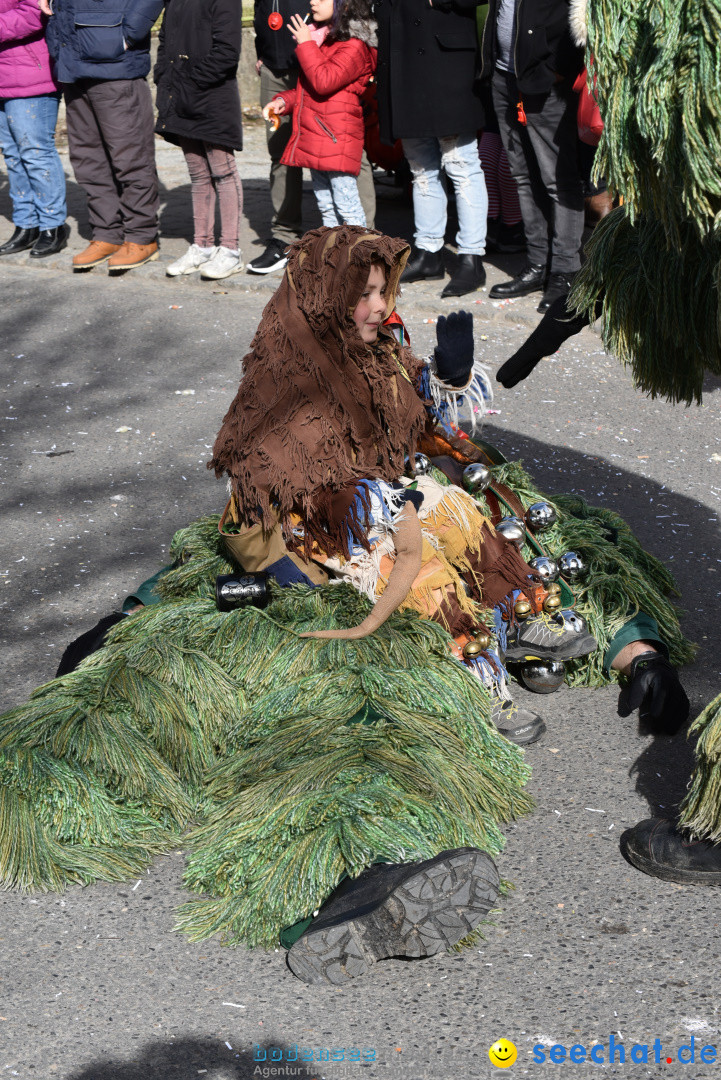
(457, 156)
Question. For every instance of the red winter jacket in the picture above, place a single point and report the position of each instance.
(327, 115)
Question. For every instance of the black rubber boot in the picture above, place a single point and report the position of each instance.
(469, 275)
(423, 266)
(21, 240)
(659, 848)
(412, 910)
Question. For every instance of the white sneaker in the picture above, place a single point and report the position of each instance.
(222, 265)
(193, 259)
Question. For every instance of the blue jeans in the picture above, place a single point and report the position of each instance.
(337, 197)
(457, 156)
(35, 173)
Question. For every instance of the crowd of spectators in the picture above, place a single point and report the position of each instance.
(480, 98)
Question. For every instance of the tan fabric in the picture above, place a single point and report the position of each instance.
(254, 548)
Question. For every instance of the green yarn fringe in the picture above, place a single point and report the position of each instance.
(622, 579)
(657, 66)
(295, 760)
(701, 808)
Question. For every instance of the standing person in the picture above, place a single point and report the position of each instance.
(29, 99)
(199, 110)
(336, 58)
(101, 55)
(427, 63)
(529, 53)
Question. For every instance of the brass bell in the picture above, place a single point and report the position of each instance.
(523, 609)
(472, 649)
(552, 603)
(484, 639)
(553, 588)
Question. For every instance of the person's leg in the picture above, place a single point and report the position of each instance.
(532, 199)
(124, 112)
(24, 211)
(91, 166)
(324, 197)
(202, 192)
(430, 203)
(553, 134)
(32, 121)
(286, 182)
(462, 165)
(367, 191)
(510, 206)
(226, 181)
(490, 148)
(344, 191)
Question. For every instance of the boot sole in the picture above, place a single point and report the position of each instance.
(583, 647)
(132, 265)
(90, 265)
(526, 737)
(668, 873)
(430, 912)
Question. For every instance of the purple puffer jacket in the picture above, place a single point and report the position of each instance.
(24, 61)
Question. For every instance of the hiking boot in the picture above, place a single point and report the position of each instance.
(519, 726)
(413, 910)
(50, 242)
(273, 258)
(423, 266)
(557, 285)
(562, 636)
(224, 263)
(661, 849)
(21, 240)
(530, 279)
(131, 255)
(193, 259)
(95, 253)
(469, 275)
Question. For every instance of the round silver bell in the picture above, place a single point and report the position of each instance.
(571, 621)
(422, 465)
(476, 478)
(545, 568)
(541, 516)
(513, 530)
(542, 676)
(572, 566)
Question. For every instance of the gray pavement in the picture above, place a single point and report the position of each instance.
(113, 391)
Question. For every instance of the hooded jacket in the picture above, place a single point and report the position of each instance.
(24, 60)
(87, 39)
(328, 128)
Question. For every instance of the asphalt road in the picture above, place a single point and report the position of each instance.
(113, 391)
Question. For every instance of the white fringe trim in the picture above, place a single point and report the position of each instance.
(464, 403)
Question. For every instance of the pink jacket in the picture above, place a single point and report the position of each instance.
(24, 61)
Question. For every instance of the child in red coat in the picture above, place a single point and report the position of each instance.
(337, 57)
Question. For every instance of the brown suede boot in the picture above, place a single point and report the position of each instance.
(131, 255)
(96, 252)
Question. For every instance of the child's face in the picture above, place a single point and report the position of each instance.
(322, 10)
(370, 311)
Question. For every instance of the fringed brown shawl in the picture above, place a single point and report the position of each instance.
(318, 409)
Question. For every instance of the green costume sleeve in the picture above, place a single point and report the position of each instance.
(145, 594)
(641, 627)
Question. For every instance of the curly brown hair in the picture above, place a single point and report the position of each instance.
(344, 11)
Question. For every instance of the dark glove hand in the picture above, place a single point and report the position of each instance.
(454, 352)
(655, 690)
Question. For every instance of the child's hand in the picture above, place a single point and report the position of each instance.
(274, 108)
(299, 29)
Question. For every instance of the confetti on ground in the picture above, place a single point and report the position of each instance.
(185, 393)
(233, 1006)
(124, 428)
(136, 885)
(175, 307)
(594, 811)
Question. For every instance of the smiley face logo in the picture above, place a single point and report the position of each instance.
(502, 1054)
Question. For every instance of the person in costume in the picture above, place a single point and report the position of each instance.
(335, 753)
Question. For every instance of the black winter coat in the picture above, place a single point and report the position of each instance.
(199, 50)
(428, 59)
(276, 48)
(544, 47)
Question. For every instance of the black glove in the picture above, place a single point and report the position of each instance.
(655, 690)
(87, 643)
(454, 352)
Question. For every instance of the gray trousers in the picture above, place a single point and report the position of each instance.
(286, 182)
(112, 151)
(543, 156)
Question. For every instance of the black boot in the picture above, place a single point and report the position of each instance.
(423, 266)
(469, 275)
(530, 279)
(414, 910)
(50, 242)
(87, 643)
(659, 848)
(21, 240)
(558, 285)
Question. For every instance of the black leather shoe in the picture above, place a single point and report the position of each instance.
(423, 266)
(21, 240)
(50, 242)
(530, 279)
(659, 848)
(556, 286)
(469, 275)
(413, 910)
